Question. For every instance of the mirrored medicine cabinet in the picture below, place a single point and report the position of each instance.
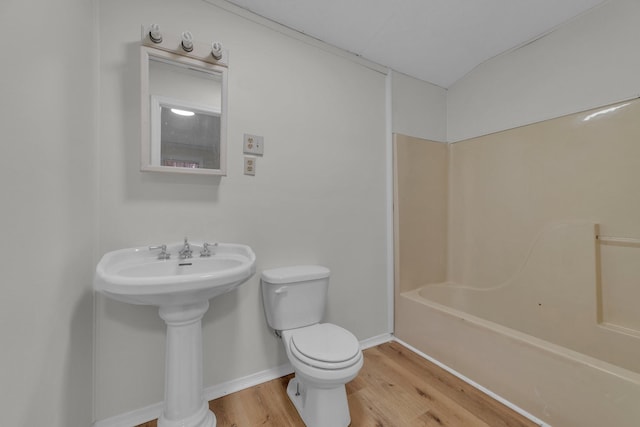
(183, 102)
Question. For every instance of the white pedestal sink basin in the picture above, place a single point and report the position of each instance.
(181, 288)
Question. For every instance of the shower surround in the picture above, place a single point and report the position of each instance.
(518, 262)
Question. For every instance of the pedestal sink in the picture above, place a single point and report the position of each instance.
(181, 288)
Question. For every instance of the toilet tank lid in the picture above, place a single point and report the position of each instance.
(297, 273)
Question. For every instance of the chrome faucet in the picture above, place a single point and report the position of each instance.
(186, 251)
(163, 251)
(206, 251)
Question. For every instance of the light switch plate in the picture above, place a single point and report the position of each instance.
(253, 144)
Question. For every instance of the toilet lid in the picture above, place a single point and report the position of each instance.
(325, 346)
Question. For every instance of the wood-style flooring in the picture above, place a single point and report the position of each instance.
(395, 388)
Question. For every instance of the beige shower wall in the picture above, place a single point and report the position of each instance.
(420, 211)
(507, 186)
(477, 206)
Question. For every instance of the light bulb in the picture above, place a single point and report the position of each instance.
(187, 41)
(216, 50)
(154, 33)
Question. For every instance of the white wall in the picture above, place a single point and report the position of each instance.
(47, 118)
(589, 62)
(318, 195)
(419, 109)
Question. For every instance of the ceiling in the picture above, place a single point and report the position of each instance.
(438, 41)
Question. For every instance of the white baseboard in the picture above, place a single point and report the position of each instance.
(374, 341)
(151, 412)
(219, 390)
(133, 418)
(475, 385)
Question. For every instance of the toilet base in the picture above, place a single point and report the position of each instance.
(319, 407)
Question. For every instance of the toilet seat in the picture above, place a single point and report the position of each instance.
(325, 346)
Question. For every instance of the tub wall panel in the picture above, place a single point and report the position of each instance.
(420, 203)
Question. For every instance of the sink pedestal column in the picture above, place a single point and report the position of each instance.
(184, 403)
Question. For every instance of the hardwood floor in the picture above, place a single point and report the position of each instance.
(395, 388)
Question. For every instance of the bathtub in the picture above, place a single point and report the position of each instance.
(539, 339)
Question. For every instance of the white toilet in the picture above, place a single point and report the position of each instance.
(324, 356)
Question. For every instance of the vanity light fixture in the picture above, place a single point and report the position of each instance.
(187, 41)
(216, 50)
(184, 44)
(182, 112)
(154, 33)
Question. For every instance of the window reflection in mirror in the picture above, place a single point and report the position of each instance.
(189, 135)
(186, 117)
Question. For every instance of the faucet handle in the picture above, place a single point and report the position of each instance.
(186, 251)
(163, 251)
(205, 252)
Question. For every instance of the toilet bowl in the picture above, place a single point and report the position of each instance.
(324, 356)
(322, 369)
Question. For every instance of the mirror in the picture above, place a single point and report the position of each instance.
(183, 114)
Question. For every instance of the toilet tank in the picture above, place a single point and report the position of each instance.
(296, 296)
